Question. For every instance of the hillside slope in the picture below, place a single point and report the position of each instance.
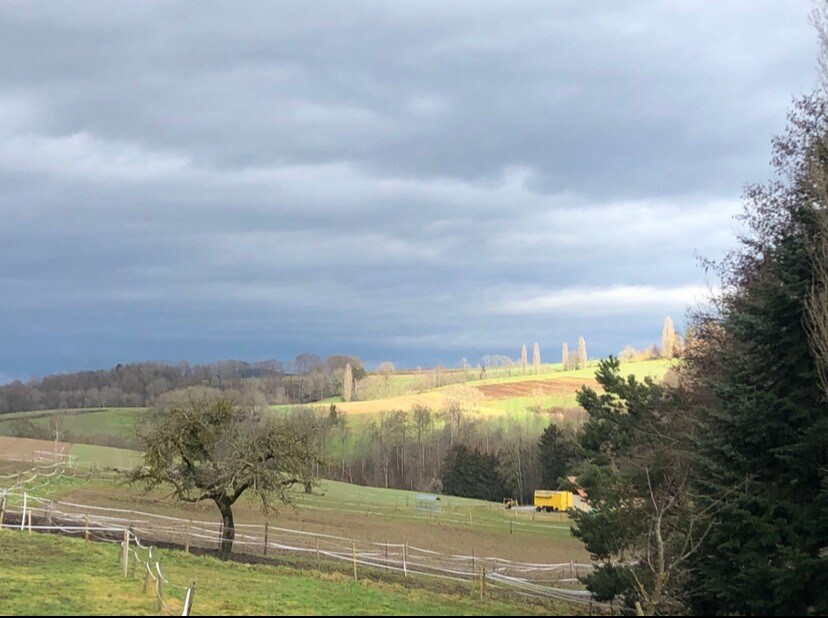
(54, 575)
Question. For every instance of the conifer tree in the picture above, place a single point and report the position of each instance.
(764, 412)
(556, 454)
(636, 470)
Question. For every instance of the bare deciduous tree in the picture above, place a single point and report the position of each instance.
(386, 370)
(565, 356)
(536, 357)
(817, 303)
(213, 449)
(582, 353)
(523, 359)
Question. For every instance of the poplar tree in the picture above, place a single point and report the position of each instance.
(536, 357)
(565, 356)
(582, 353)
(523, 359)
(347, 383)
(668, 338)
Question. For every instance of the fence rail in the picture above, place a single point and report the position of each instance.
(19, 508)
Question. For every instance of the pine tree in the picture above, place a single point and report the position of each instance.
(536, 358)
(523, 359)
(582, 353)
(347, 383)
(556, 454)
(765, 414)
(668, 338)
(636, 470)
(472, 474)
(565, 356)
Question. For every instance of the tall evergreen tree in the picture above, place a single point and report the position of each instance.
(636, 470)
(556, 455)
(765, 415)
(472, 474)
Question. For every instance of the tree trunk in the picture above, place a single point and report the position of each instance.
(228, 530)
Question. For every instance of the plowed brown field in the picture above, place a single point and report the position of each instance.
(528, 388)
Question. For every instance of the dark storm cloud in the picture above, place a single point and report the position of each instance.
(415, 181)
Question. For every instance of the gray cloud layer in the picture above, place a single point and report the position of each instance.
(414, 181)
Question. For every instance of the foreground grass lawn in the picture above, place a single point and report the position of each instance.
(54, 575)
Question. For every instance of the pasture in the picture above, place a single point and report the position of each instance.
(373, 515)
(48, 574)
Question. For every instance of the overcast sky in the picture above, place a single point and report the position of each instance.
(418, 181)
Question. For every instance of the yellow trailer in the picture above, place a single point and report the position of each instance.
(553, 500)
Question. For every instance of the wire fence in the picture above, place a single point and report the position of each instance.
(22, 508)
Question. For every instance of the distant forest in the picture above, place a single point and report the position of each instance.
(306, 378)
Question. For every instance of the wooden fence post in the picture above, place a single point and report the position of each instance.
(188, 602)
(86, 528)
(159, 587)
(265, 539)
(474, 568)
(318, 564)
(23, 519)
(353, 547)
(125, 551)
(2, 509)
(405, 560)
(30, 521)
(482, 582)
(187, 536)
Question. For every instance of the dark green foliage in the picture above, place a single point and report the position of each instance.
(635, 471)
(767, 423)
(472, 474)
(556, 455)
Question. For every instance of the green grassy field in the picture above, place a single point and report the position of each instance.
(640, 369)
(88, 423)
(105, 456)
(117, 424)
(53, 575)
(361, 513)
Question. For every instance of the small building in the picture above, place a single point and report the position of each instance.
(581, 500)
